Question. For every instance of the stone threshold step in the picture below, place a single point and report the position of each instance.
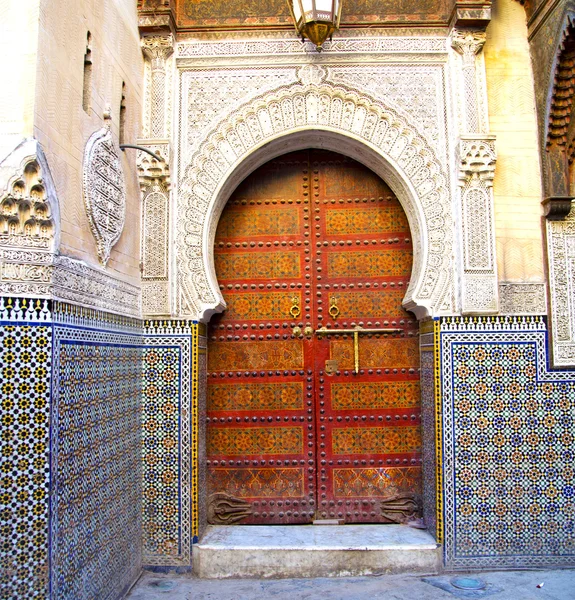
(278, 551)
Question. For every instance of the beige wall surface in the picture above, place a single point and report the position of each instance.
(18, 47)
(512, 118)
(63, 127)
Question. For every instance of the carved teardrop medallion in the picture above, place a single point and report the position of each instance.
(104, 191)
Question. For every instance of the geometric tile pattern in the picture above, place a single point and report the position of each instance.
(509, 451)
(169, 432)
(96, 462)
(25, 363)
(161, 415)
(430, 464)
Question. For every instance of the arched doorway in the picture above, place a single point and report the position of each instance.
(305, 426)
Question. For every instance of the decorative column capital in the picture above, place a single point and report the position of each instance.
(158, 48)
(477, 160)
(469, 43)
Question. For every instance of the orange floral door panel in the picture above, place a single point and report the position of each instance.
(307, 425)
(261, 430)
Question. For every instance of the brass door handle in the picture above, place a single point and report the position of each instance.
(333, 308)
(295, 310)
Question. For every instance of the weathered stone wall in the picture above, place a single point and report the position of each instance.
(63, 127)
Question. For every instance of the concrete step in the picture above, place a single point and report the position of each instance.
(278, 551)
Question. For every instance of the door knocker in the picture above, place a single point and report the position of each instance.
(333, 308)
(295, 310)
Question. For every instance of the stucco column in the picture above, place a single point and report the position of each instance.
(155, 176)
(477, 158)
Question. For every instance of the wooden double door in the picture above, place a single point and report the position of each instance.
(306, 426)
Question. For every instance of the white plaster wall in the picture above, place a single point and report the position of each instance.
(18, 52)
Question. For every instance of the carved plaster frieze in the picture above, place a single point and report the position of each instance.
(370, 130)
(522, 298)
(155, 298)
(154, 176)
(477, 160)
(104, 191)
(78, 283)
(157, 49)
(561, 263)
(154, 179)
(479, 288)
(425, 48)
(311, 74)
(44, 275)
(416, 92)
(29, 243)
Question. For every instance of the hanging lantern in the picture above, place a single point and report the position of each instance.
(316, 19)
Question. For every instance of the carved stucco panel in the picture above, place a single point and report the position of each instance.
(479, 287)
(416, 91)
(208, 95)
(561, 256)
(374, 133)
(522, 298)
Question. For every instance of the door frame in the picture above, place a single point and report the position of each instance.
(411, 201)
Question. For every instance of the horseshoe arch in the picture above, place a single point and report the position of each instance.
(320, 116)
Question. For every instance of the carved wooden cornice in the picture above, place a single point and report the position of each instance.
(156, 15)
(563, 93)
(471, 13)
(557, 207)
